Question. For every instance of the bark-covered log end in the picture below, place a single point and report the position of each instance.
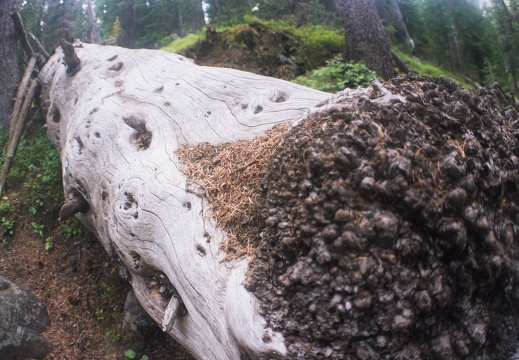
(392, 226)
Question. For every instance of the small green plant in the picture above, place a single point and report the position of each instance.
(108, 291)
(72, 229)
(37, 228)
(8, 226)
(37, 168)
(37, 203)
(100, 314)
(113, 335)
(49, 243)
(130, 354)
(5, 207)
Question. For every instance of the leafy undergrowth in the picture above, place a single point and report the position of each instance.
(337, 75)
(64, 265)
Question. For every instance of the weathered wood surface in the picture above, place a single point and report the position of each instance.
(117, 123)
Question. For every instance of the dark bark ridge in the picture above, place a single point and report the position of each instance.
(366, 39)
(392, 227)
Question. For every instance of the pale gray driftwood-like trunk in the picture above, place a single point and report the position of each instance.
(117, 120)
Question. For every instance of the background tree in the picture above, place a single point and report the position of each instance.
(58, 22)
(392, 18)
(145, 23)
(506, 15)
(366, 39)
(9, 76)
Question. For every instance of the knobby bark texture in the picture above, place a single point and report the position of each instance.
(391, 226)
(366, 39)
(117, 122)
(9, 76)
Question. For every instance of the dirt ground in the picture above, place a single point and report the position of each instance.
(84, 295)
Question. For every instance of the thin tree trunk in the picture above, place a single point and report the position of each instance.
(390, 14)
(9, 76)
(366, 39)
(180, 21)
(93, 29)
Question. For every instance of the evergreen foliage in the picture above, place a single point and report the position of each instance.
(476, 39)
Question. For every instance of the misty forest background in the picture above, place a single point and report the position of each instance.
(474, 39)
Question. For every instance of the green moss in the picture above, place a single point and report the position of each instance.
(426, 69)
(180, 44)
(313, 44)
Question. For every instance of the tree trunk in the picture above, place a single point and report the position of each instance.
(93, 28)
(119, 120)
(366, 39)
(9, 75)
(390, 14)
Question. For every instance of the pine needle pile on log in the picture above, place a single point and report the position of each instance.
(231, 174)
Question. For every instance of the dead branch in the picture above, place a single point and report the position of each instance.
(15, 139)
(21, 33)
(40, 47)
(74, 204)
(22, 89)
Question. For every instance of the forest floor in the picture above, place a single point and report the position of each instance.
(84, 295)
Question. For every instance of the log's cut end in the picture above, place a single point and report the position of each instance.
(118, 123)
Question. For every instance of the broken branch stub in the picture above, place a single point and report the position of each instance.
(117, 124)
(71, 60)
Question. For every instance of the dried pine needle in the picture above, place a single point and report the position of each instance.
(231, 174)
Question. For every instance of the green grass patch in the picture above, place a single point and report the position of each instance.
(182, 43)
(313, 40)
(426, 69)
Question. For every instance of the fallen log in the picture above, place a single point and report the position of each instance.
(117, 122)
(385, 226)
